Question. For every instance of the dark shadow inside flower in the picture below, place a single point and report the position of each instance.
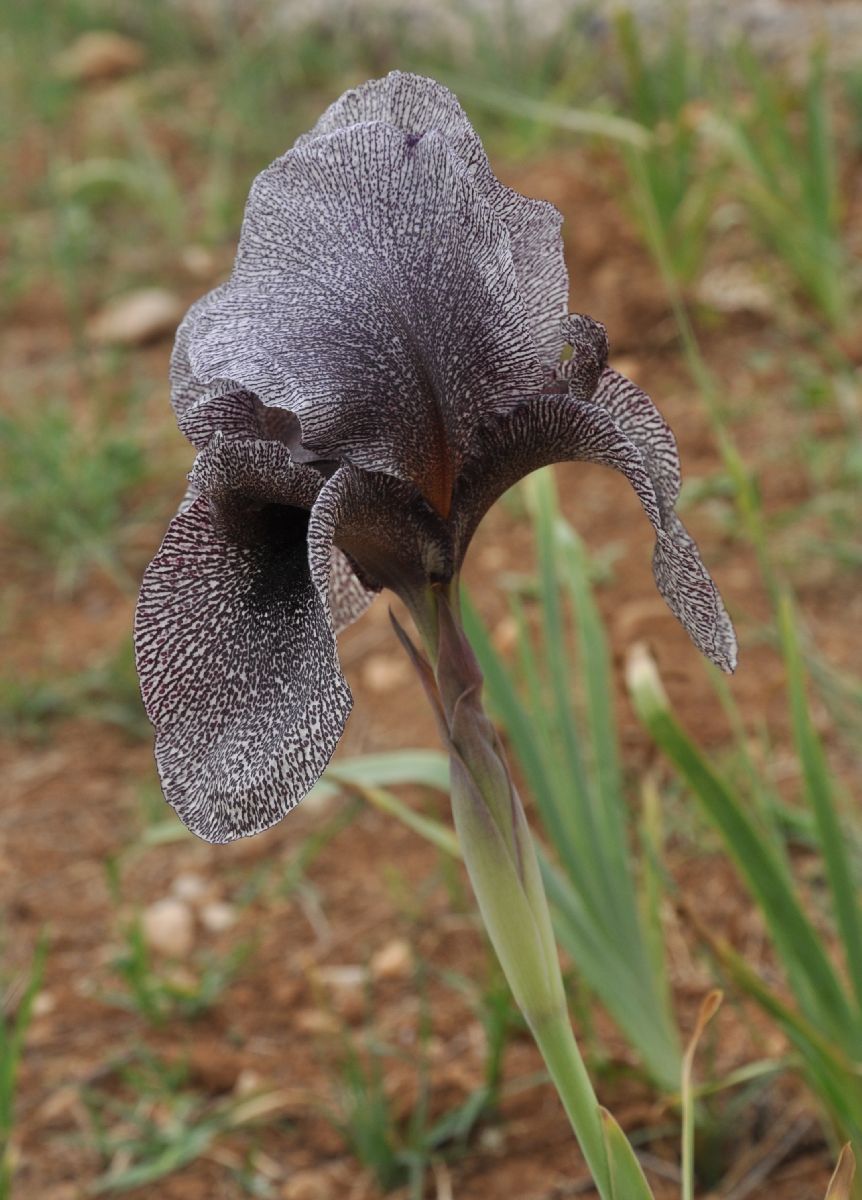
(281, 534)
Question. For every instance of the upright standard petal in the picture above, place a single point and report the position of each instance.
(186, 389)
(235, 646)
(416, 104)
(557, 428)
(374, 296)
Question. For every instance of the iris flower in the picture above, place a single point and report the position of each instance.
(387, 358)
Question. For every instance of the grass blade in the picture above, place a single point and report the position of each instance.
(819, 794)
(842, 1177)
(708, 1009)
(798, 943)
(12, 1033)
(628, 1181)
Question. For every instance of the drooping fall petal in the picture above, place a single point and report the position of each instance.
(556, 428)
(236, 649)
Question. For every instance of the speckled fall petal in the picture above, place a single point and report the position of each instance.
(617, 427)
(235, 645)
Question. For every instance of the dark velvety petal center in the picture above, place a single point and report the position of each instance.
(281, 534)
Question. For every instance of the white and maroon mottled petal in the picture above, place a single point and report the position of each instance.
(639, 419)
(236, 645)
(240, 678)
(348, 595)
(589, 342)
(415, 104)
(236, 414)
(556, 429)
(186, 389)
(252, 471)
(374, 296)
(642, 423)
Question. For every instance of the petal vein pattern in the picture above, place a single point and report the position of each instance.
(374, 296)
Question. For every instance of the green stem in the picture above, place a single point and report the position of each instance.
(562, 1056)
(501, 862)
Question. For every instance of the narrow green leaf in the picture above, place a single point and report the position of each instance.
(819, 794)
(834, 1077)
(432, 831)
(708, 1009)
(575, 800)
(519, 728)
(798, 943)
(615, 976)
(628, 1181)
(575, 120)
(425, 768)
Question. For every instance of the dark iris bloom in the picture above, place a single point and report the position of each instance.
(384, 362)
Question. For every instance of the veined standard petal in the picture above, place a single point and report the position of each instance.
(236, 653)
(374, 296)
(555, 428)
(415, 105)
(186, 389)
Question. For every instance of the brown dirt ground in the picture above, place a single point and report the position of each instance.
(72, 803)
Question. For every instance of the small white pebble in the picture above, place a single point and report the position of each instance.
(492, 1140)
(383, 672)
(136, 318)
(347, 976)
(168, 927)
(190, 887)
(98, 55)
(308, 1185)
(317, 1022)
(198, 261)
(217, 916)
(44, 1003)
(393, 961)
(248, 1082)
(505, 634)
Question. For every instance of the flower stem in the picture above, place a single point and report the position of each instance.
(501, 861)
(559, 1049)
